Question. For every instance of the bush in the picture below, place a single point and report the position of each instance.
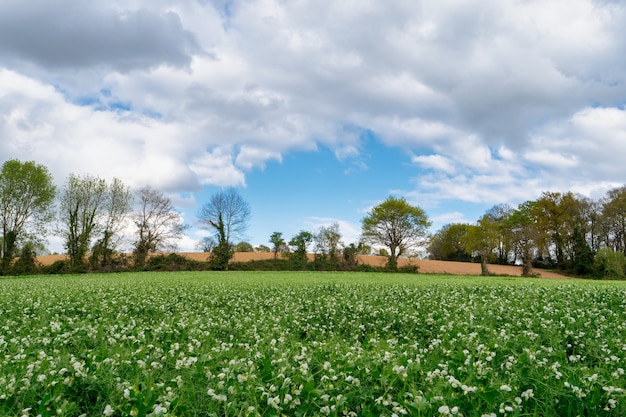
(58, 267)
(173, 262)
(610, 264)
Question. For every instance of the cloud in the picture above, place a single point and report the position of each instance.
(78, 35)
(492, 100)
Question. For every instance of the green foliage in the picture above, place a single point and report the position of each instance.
(396, 224)
(220, 256)
(82, 204)
(610, 264)
(172, 262)
(299, 244)
(296, 344)
(448, 243)
(262, 248)
(278, 243)
(26, 263)
(27, 194)
(244, 247)
(582, 255)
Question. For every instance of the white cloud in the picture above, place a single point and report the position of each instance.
(436, 162)
(499, 100)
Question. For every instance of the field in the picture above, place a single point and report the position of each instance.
(425, 266)
(310, 344)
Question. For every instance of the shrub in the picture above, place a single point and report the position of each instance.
(610, 264)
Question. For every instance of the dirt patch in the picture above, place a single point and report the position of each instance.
(425, 266)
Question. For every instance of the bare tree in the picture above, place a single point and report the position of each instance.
(158, 223)
(228, 214)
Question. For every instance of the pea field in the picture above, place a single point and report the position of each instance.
(310, 344)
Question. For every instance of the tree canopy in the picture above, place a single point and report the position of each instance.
(397, 225)
(27, 193)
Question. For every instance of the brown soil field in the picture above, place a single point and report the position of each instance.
(425, 266)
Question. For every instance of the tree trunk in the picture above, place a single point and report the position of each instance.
(484, 271)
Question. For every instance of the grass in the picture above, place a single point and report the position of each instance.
(308, 344)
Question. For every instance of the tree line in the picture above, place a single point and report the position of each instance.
(93, 217)
(563, 231)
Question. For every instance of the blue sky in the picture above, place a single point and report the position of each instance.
(317, 111)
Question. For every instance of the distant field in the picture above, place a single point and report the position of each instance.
(425, 266)
(338, 344)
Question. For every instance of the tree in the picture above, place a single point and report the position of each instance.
(278, 243)
(396, 224)
(524, 233)
(498, 215)
(482, 239)
(27, 195)
(228, 214)
(299, 244)
(116, 208)
(206, 244)
(448, 245)
(328, 241)
(262, 248)
(614, 219)
(553, 214)
(158, 224)
(82, 204)
(244, 247)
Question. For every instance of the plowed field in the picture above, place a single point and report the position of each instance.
(425, 266)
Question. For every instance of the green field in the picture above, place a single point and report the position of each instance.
(310, 344)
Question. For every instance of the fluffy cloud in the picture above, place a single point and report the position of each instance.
(75, 34)
(489, 98)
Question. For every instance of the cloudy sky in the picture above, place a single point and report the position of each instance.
(316, 111)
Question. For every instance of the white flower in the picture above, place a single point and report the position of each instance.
(108, 410)
(444, 409)
(505, 388)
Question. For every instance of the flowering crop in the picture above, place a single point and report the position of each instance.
(296, 344)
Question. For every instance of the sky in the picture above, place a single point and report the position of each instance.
(317, 111)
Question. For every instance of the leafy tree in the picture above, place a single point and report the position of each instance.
(396, 224)
(299, 245)
(351, 252)
(482, 239)
(278, 243)
(116, 208)
(244, 247)
(614, 219)
(582, 255)
(610, 264)
(158, 224)
(27, 194)
(26, 264)
(262, 248)
(524, 234)
(228, 214)
(498, 215)
(82, 204)
(328, 241)
(448, 244)
(553, 214)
